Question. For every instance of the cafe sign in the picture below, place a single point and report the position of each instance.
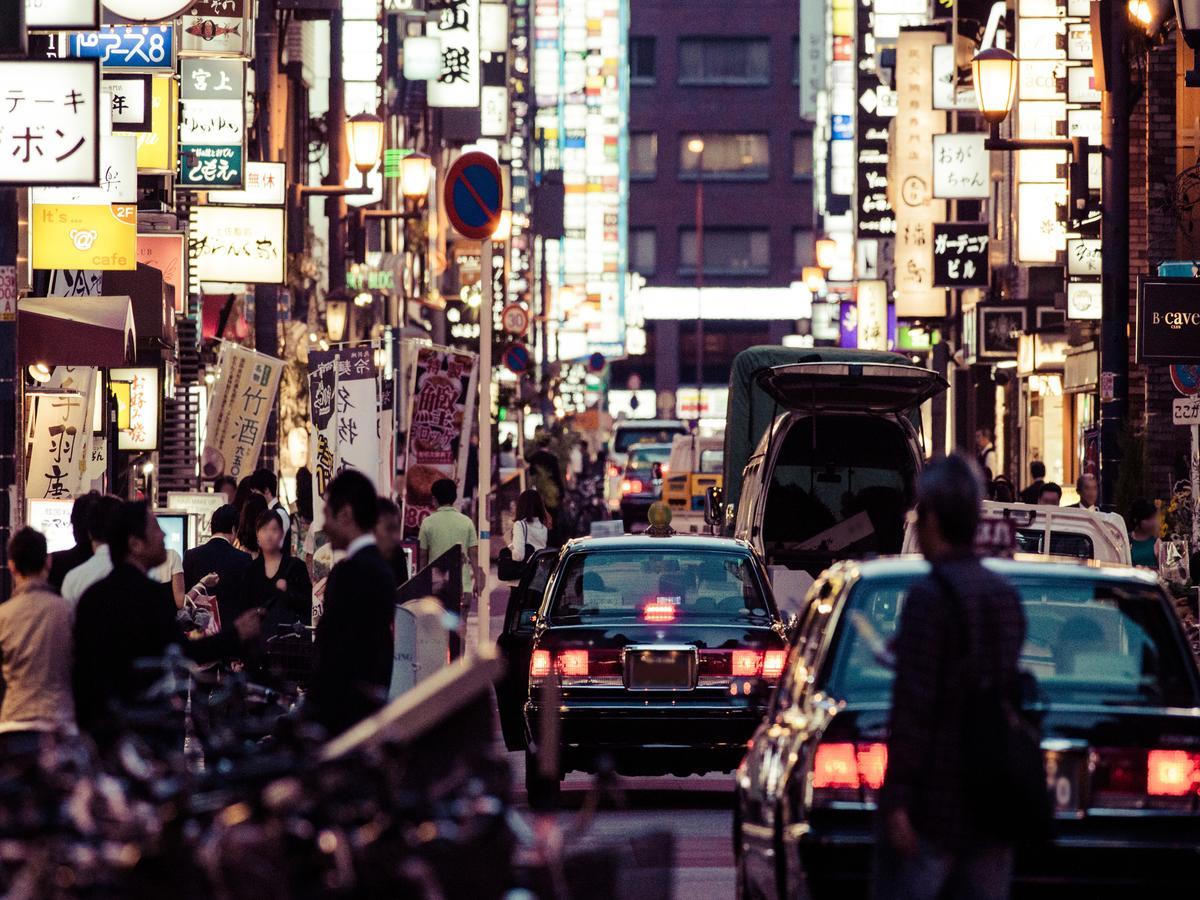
(1168, 321)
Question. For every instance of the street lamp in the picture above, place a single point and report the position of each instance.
(503, 230)
(814, 280)
(995, 72)
(335, 318)
(826, 253)
(696, 146)
(364, 136)
(1187, 16)
(416, 172)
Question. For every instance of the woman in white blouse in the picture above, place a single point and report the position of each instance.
(529, 526)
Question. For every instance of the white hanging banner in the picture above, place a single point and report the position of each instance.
(458, 79)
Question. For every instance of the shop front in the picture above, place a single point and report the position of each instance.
(1045, 424)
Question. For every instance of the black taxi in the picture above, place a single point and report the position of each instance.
(642, 652)
(1118, 701)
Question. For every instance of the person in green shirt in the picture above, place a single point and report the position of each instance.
(1143, 537)
(444, 528)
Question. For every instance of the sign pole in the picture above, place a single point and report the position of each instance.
(485, 444)
(1194, 472)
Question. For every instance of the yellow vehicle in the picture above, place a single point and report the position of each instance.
(695, 466)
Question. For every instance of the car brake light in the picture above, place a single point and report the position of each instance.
(746, 663)
(573, 662)
(773, 661)
(632, 486)
(659, 611)
(1172, 773)
(850, 766)
(614, 471)
(539, 664)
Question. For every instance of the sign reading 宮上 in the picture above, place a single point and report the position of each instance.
(212, 131)
(50, 127)
(237, 417)
(1168, 321)
(239, 244)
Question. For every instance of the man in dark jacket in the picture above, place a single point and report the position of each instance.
(220, 556)
(354, 650)
(63, 561)
(930, 835)
(127, 616)
(1037, 474)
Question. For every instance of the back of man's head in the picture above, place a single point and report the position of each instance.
(1037, 469)
(354, 489)
(224, 519)
(27, 552)
(444, 491)
(951, 490)
(128, 522)
(265, 481)
(79, 515)
(387, 508)
(101, 517)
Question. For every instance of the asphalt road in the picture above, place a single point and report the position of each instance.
(695, 811)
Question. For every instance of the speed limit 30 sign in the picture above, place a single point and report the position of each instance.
(515, 319)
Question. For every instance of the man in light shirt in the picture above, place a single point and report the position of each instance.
(83, 576)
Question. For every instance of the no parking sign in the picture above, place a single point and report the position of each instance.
(474, 195)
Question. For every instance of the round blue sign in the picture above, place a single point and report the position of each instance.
(474, 195)
(516, 358)
(596, 362)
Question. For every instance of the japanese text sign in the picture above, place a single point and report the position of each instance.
(212, 129)
(960, 254)
(239, 244)
(355, 411)
(53, 519)
(56, 14)
(156, 147)
(50, 122)
(138, 422)
(143, 47)
(131, 98)
(168, 254)
(241, 403)
(215, 28)
(58, 458)
(1083, 257)
(960, 166)
(266, 185)
(458, 80)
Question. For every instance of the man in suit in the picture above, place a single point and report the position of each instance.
(1037, 474)
(353, 665)
(126, 616)
(63, 561)
(1088, 488)
(220, 556)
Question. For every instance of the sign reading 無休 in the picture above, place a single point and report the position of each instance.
(457, 27)
(141, 47)
(242, 401)
(266, 185)
(239, 244)
(960, 254)
(50, 122)
(212, 131)
(1168, 321)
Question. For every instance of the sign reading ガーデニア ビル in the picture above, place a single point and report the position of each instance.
(1168, 321)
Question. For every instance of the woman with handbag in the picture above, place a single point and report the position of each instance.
(529, 534)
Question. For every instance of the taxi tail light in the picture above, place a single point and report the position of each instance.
(849, 767)
(746, 663)
(773, 661)
(658, 612)
(539, 664)
(1172, 773)
(632, 486)
(614, 471)
(573, 662)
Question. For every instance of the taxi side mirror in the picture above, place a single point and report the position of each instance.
(714, 511)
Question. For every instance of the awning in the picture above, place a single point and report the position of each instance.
(75, 331)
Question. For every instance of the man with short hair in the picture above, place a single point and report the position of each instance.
(389, 535)
(63, 561)
(127, 616)
(446, 527)
(1088, 488)
(219, 556)
(931, 833)
(264, 482)
(1050, 495)
(1037, 471)
(100, 519)
(35, 643)
(985, 444)
(353, 666)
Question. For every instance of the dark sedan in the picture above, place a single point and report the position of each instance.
(1118, 692)
(642, 483)
(644, 653)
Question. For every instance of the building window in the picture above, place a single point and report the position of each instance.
(643, 250)
(727, 251)
(642, 67)
(804, 252)
(802, 155)
(726, 157)
(643, 155)
(796, 61)
(727, 61)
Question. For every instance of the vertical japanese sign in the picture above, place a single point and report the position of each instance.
(61, 435)
(212, 131)
(50, 122)
(960, 254)
(322, 383)
(355, 408)
(872, 321)
(811, 66)
(457, 26)
(874, 219)
(911, 176)
(138, 399)
(215, 28)
(156, 148)
(439, 428)
(237, 415)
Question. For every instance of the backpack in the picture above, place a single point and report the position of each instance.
(509, 569)
(1006, 778)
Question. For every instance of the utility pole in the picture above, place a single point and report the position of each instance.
(1114, 325)
(335, 123)
(699, 275)
(266, 296)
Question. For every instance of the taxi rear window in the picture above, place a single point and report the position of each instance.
(1088, 642)
(678, 586)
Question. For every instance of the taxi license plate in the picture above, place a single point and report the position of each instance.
(660, 668)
